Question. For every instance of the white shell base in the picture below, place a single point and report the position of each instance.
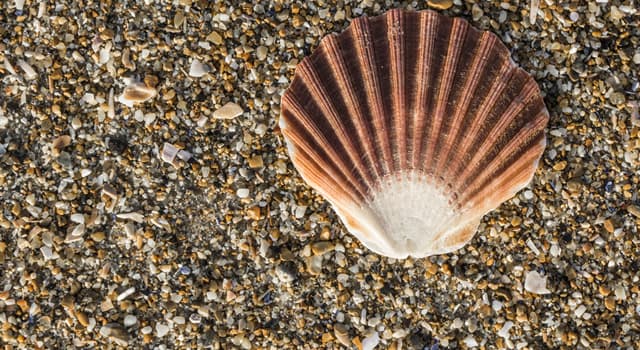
(416, 213)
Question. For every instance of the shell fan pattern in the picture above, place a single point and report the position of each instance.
(413, 125)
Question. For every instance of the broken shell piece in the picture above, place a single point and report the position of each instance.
(137, 217)
(635, 113)
(59, 144)
(130, 229)
(9, 67)
(76, 234)
(198, 69)
(110, 197)
(169, 153)
(413, 125)
(136, 92)
(77, 218)
(184, 155)
(536, 283)
(162, 223)
(228, 111)
(111, 110)
(29, 72)
(47, 253)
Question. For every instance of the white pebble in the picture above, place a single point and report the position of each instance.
(580, 310)
(261, 53)
(620, 293)
(122, 296)
(19, 4)
(536, 283)
(29, 72)
(528, 194)
(161, 329)
(130, 320)
(554, 250)
(370, 342)
(504, 331)
(456, 324)
(47, 253)
(198, 69)
(532, 246)
(242, 192)
(77, 218)
(574, 16)
(133, 216)
(470, 341)
(299, 212)
(533, 11)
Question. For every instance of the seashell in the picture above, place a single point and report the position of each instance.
(413, 126)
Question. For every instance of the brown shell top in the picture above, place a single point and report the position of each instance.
(413, 125)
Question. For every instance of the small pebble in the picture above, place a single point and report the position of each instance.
(161, 330)
(440, 4)
(536, 283)
(286, 272)
(242, 192)
(198, 69)
(370, 342)
(228, 111)
(130, 320)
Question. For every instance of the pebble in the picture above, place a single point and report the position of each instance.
(341, 333)
(215, 38)
(198, 69)
(504, 331)
(161, 330)
(29, 72)
(314, 264)
(228, 111)
(634, 210)
(115, 333)
(242, 192)
(536, 283)
(321, 248)
(440, 4)
(371, 341)
(82, 318)
(130, 320)
(261, 53)
(286, 272)
(470, 341)
(620, 293)
(256, 162)
(126, 293)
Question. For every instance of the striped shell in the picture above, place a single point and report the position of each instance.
(413, 125)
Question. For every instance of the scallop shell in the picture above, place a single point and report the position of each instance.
(413, 126)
